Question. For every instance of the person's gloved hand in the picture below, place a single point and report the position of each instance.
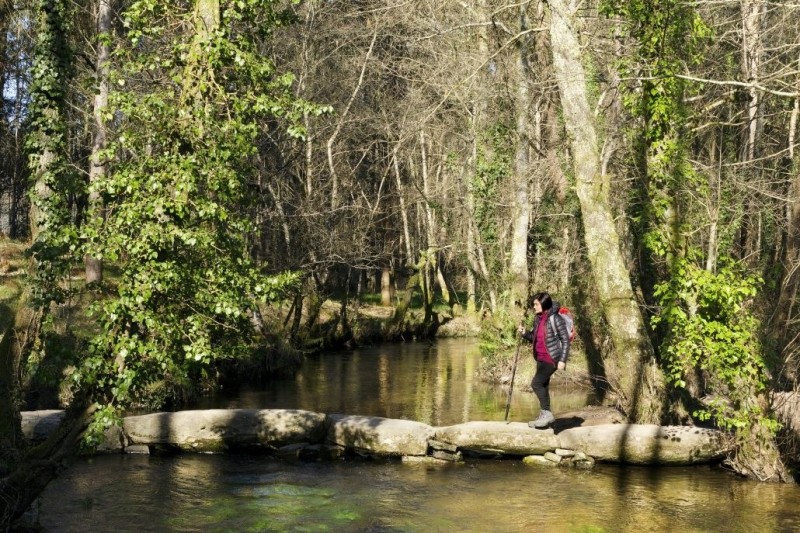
(562, 365)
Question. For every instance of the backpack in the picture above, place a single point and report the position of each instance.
(569, 321)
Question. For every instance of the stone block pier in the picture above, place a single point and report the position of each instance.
(309, 435)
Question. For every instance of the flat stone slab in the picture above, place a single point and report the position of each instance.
(217, 430)
(37, 425)
(645, 444)
(381, 436)
(512, 438)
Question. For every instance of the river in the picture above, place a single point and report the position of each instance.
(432, 383)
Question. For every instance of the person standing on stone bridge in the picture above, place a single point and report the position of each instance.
(550, 341)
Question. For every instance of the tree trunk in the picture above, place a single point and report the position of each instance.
(41, 465)
(6, 9)
(752, 51)
(286, 231)
(15, 336)
(41, 192)
(387, 289)
(97, 167)
(518, 269)
(484, 270)
(403, 212)
(47, 102)
(432, 255)
(476, 270)
(207, 18)
(473, 270)
(332, 139)
(630, 365)
(752, 13)
(757, 454)
(787, 298)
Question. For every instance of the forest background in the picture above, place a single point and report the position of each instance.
(203, 176)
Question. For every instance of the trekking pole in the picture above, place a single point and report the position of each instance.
(513, 373)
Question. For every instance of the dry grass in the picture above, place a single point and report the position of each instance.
(12, 268)
(12, 259)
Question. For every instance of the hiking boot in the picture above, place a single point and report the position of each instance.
(545, 419)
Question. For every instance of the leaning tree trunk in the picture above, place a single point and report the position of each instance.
(41, 464)
(47, 137)
(16, 329)
(630, 364)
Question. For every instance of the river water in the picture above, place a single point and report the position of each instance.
(432, 383)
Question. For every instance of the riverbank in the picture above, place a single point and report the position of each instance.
(283, 339)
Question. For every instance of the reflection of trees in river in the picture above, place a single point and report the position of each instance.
(433, 383)
(428, 382)
(254, 493)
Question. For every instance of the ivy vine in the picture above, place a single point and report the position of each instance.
(190, 102)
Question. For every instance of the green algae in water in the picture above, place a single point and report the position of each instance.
(284, 489)
(274, 507)
(588, 529)
(270, 525)
(346, 514)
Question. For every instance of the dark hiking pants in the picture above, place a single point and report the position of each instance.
(541, 383)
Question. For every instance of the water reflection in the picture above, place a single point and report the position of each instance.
(431, 383)
(252, 493)
(428, 382)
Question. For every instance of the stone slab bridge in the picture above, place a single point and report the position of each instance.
(292, 433)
